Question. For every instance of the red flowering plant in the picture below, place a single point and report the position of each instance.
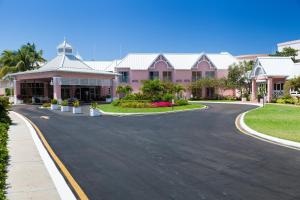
(161, 104)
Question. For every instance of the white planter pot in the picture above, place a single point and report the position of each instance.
(19, 101)
(76, 110)
(54, 107)
(108, 100)
(261, 100)
(64, 108)
(244, 99)
(94, 112)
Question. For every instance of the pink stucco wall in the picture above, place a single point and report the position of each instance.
(180, 76)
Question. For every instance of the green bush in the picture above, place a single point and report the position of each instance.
(181, 102)
(116, 102)
(135, 104)
(94, 105)
(135, 97)
(54, 101)
(46, 105)
(76, 103)
(167, 97)
(64, 103)
(4, 106)
(287, 100)
(230, 98)
(4, 125)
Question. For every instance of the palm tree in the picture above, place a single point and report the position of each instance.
(8, 58)
(30, 56)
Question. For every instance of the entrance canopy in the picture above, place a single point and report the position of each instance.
(64, 70)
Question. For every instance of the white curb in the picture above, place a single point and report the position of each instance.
(62, 187)
(230, 102)
(282, 142)
(150, 113)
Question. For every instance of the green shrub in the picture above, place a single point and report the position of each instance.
(94, 105)
(167, 97)
(54, 101)
(64, 103)
(4, 125)
(135, 104)
(4, 106)
(181, 102)
(230, 98)
(116, 102)
(287, 100)
(46, 105)
(135, 97)
(76, 103)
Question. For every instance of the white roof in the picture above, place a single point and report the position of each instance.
(142, 61)
(288, 43)
(112, 66)
(98, 65)
(222, 60)
(138, 61)
(277, 66)
(182, 61)
(65, 62)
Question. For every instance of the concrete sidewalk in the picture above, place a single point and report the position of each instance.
(28, 177)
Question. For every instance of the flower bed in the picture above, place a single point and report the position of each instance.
(161, 104)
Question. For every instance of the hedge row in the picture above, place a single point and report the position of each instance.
(4, 125)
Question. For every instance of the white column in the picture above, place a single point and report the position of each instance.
(270, 90)
(57, 88)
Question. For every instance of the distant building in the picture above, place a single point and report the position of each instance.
(250, 57)
(295, 44)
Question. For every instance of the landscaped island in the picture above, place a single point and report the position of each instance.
(118, 109)
(155, 96)
(280, 121)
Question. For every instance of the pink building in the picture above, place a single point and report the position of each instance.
(177, 68)
(64, 77)
(269, 75)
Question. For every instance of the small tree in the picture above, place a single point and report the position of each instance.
(153, 89)
(292, 84)
(286, 52)
(238, 76)
(123, 90)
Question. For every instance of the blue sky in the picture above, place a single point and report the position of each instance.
(108, 29)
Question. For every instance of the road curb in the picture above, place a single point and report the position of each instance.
(150, 113)
(232, 102)
(242, 127)
(51, 162)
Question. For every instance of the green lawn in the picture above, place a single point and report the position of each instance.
(280, 121)
(117, 109)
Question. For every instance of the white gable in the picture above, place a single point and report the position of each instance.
(182, 61)
(222, 60)
(276, 66)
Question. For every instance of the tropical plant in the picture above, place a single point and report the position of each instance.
(46, 105)
(94, 105)
(153, 89)
(76, 103)
(124, 90)
(25, 58)
(64, 103)
(54, 101)
(181, 102)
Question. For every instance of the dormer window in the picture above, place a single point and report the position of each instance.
(64, 48)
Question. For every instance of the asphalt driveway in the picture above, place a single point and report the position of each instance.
(187, 155)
